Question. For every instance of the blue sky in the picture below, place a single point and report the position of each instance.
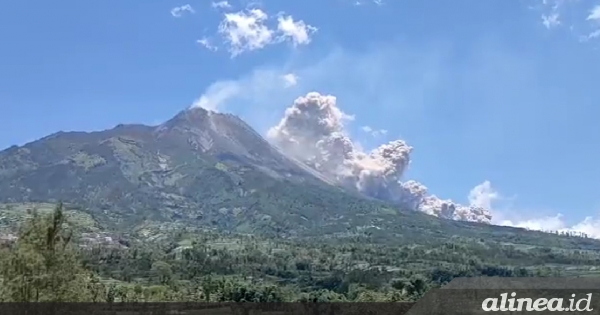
(496, 90)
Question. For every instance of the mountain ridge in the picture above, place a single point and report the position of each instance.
(189, 172)
(133, 168)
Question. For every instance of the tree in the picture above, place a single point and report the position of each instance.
(42, 266)
(163, 272)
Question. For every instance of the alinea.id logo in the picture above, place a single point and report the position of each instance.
(513, 304)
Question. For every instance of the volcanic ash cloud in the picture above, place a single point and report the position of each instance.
(313, 130)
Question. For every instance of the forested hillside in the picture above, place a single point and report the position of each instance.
(51, 260)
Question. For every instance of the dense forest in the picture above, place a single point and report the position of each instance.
(48, 263)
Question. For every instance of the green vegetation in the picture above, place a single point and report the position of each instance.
(202, 208)
(49, 262)
(42, 265)
(136, 177)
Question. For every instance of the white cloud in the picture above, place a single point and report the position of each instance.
(221, 5)
(594, 19)
(245, 31)
(550, 12)
(551, 20)
(483, 195)
(357, 76)
(581, 21)
(289, 79)
(589, 226)
(179, 11)
(374, 132)
(207, 44)
(298, 31)
(218, 94)
(594, 14)
(547, 223)
(364, 2)
(256, 91)
(593, 34)
(253, 29)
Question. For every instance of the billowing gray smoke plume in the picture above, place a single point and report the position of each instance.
(312, 130)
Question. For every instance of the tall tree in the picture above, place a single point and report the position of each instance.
(42, 265)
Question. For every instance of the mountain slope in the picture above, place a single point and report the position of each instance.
(207, 167)
(212, 170)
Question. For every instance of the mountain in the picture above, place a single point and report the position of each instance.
(201, 166)
(211, 170)
(178, 168)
